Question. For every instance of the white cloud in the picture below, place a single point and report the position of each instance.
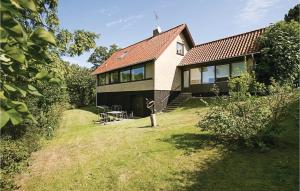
(125, 21)
(109, 12)
(254, 10)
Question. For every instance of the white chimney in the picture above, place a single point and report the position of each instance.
(156, 31)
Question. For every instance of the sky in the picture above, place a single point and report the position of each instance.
(124, 22)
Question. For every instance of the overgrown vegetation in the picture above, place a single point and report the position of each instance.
(280, 56)
(81, 86)
(244, 118)
(33, 86)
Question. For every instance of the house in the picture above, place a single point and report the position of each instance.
(168, 63)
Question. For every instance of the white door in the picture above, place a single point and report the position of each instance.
(186, 78)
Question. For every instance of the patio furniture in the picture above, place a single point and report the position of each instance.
(104, 118)
(124, 115)
(116, 108)
(103, 108)
(116, 114)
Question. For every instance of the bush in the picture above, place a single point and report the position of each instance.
(280, 56)
(245, 118)
(81, 86)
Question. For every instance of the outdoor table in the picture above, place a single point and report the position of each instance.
(116, 114)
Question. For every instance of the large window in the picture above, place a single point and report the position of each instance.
(101, 79)
(238, 68)
(208, 74)
(222, 71)
(138, 73)
(196, 76)
(114, 77)
(125, 75)
(180, 48)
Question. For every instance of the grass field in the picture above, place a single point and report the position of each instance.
(173, 156)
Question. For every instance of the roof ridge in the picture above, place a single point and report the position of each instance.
(230, 36)
(153, 36)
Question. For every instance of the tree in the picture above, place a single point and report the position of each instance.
(80, 85)
(101, 54)
(293, 14)
(74, 44)
(280, 56)
(23, 53)
(30, 53)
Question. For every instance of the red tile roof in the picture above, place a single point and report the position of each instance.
(233, 46)
(146, 50)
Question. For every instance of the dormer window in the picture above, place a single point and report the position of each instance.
(180, 48)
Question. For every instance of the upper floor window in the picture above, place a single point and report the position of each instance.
(125, 75)
(114, 77)
(180, 48)
(101, 79)
(138, 73)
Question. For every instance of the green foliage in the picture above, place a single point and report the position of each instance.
(247, 119)
(293, 14)
(101, 54)
(22, 53)
(74, 44)
(280, 56)
(81, 86)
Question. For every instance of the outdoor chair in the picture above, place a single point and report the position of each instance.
(124, 115)
(116, 107)
(104, 118)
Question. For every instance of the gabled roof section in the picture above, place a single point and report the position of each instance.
(229, 47)
(145, 50)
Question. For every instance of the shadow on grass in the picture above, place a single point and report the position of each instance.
(233, 170)
(191, 142)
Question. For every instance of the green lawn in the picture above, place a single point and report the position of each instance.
(174, 156)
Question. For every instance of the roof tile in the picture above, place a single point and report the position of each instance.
(143, 51)
(233, 46)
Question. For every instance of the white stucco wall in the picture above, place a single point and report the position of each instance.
(166, 74)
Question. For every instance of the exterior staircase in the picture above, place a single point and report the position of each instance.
(175, 103)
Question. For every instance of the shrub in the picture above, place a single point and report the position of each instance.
(247, 119)
(81, 86)
(280, 56)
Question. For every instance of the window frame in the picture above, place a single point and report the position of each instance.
(135, 67)
(200, 80)
(110, 73)
(214, 74)
(221, 79)
(237, 62)
(182, 45)
(98, 79)
(123, 70)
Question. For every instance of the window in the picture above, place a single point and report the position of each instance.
(186, 79)
(238, 68)
(222, 71)
(125, 75)
(196, 76)
(208, 74)
(101, 79)
(180, 48)
(138, 73)
(114, 77)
